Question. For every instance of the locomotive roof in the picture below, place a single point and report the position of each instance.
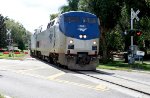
(78, 12)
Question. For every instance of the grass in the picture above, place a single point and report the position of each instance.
(1, 96)
(120, 65)
(148, 52)
(11, 56)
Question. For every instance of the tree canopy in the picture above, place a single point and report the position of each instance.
(19, 34)
(3, 32)
(114, 18)
(71, 6)
(53, 16)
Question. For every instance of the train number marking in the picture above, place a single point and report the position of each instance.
(82, 28)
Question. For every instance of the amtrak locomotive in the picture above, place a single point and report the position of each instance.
(71, 39)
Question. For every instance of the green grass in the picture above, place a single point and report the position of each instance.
(1, 96)
(11, 56)
(120, 65)
(148, 52)
(1, 53)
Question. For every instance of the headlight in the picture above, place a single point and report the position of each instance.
(84, 36)
(71, 41)
(80, 36)
(94, 42)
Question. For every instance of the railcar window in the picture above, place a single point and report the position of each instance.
(89, 20)
(37, 44)
(72, 19)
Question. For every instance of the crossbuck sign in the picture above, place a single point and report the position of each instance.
(134, 14)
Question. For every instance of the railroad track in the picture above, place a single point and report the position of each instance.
(108, 80)
(117, 83)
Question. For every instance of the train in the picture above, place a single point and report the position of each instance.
(71, 39)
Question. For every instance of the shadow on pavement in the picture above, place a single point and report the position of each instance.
(66, 70)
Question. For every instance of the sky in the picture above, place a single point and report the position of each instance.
(30, 13)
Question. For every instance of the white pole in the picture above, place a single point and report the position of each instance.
(132, 49)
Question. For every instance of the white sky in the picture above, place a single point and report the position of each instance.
(30, 13)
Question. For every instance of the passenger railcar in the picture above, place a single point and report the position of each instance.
(71, 39)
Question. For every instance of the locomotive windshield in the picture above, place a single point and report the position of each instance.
(77, 19)
(75, 24)
(89, 20)
(72, 19)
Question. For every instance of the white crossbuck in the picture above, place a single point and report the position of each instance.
(134, 14)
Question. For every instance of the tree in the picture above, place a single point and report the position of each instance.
(20, 35)
(143, 24)
(3, 32)
(53, 16)
(72, 6)
(114, 16)
(108, 11)
(21, 45)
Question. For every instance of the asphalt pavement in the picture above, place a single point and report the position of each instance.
(31, 78)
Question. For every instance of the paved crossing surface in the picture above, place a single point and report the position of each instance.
(31, 78)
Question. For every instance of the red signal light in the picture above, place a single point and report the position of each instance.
(138, 33)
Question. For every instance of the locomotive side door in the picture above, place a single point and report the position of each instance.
(54, 36)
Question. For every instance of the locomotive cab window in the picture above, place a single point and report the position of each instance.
(72, 19)
(89, 20)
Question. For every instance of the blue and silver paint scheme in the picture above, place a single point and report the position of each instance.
(72, 39)
(73, 24)
(82, 28)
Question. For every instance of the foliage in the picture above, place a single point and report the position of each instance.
(2, 32)
(114, 41)
(108, 11)
(142, 5)
(120, 65)
(83, 5)
(143, 24)
(1, 96)
(114, 18)
(72, 6)
(20, 35)
(12, 56)
(53, 16)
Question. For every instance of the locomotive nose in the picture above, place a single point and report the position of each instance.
(76, 45)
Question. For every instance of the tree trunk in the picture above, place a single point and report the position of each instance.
(103, 43)
(104, 46)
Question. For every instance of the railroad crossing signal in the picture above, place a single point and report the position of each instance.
(134, 14)
(138, 33)
(135, 32)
